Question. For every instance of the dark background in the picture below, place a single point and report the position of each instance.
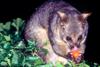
(17, 8)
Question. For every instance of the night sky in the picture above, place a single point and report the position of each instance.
(12, 9)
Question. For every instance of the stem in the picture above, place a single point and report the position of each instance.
(17, 29)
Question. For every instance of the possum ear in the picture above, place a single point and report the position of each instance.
(64, 18)
(83, 17)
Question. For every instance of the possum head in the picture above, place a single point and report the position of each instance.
(73, 31)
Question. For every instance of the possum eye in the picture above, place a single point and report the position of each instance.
(68, 38)
(80, 37)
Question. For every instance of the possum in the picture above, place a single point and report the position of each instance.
(64, 26)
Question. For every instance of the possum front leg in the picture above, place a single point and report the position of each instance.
(60, 48)
(62, 60)
(41, 37)
(51, 56)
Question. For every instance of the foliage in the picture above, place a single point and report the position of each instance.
(14, 52)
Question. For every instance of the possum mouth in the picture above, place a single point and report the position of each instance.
(71, 58)
(74, 55)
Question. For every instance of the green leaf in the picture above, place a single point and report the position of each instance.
(31, 46)
(16, 36)
(31, 58)
(69, 64)
(13, 24)
(47, 42)
(22, 22)
(39, 48)
(38, 62)
(73, 64)
(1, 49)
(3, 63)
(85, 65)
(3, 42)
(7, 38)
(9, 55)
(28, 65)
(2, 54)
(20, 45)
(6, 46)
(12, 50)
(8, 61)
(31, 43)
(95, 64)
(27, 49)
(23, 61)
(7, 25)
(58, 64)
(1, 26)
(17, 23)
(45, 51)
(2, 38)
(47, 65)
(15, 58)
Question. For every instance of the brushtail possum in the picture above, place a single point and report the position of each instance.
(64, 26)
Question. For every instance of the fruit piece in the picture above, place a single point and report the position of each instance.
(75, 54)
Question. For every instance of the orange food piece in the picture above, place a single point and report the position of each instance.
(75, 54)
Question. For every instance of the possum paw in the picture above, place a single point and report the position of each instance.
(70, 57)
(80, 59)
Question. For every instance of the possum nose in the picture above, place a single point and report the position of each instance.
(77, 45)
(74, 48)
(74, 45)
